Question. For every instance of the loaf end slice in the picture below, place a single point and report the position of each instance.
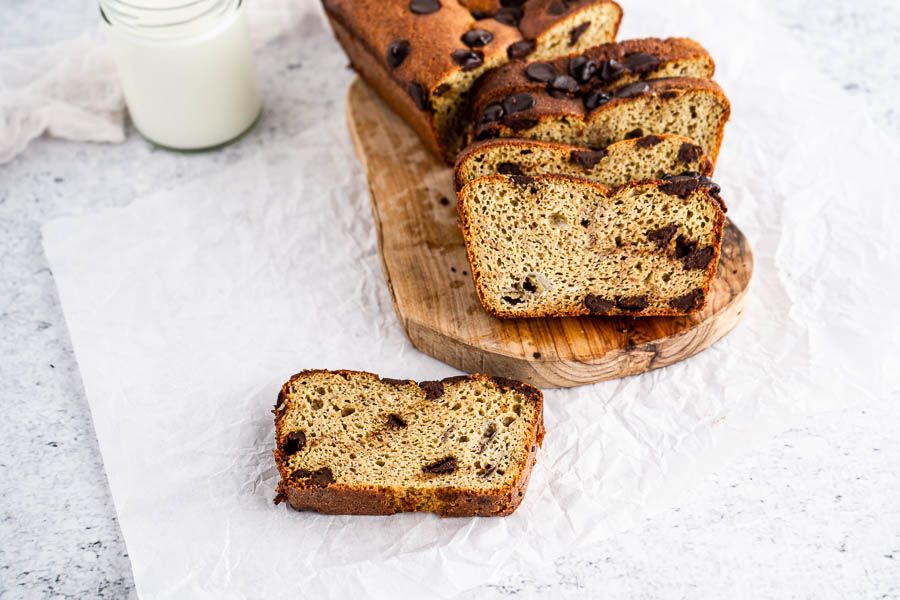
(558, 246)
(349, 442)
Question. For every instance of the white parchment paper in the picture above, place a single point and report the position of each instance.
(189, 308)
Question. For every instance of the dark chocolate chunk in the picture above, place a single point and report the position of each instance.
(520, 49)
(528, 285)
(699, 258)
(585, 223)
(596, 98)
(582, 68)
(394, 382)
(681, 185)
(597, 305)
(634, 134)
(541, 71)
(662, 236)
(519, 123)
(441, 89)
(508, 168)
(512, 301)
(684, 247)
(641, 62)
(633, 90)
(563, 85)
(668, 95)
(491, 114)
(433, 389)
(690, 301)
(632, 303)
(424, 7)
(509, 15)
(477, 38)
(518, 102)
(318, 478)
(468, 59)
(397, 53)
(443, 466)
(688, 153)
(611, 70)
(395, 421)
(648, 141)
(521, 179)
(419, 95)
(577, 32)
(445, 201)
(294, 442)
(586, 159)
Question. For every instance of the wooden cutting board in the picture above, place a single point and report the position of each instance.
(425, 266)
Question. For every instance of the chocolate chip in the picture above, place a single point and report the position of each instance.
(443, 466)
(662, 236)
(477, 38)
(563, 85)
(512, 301)
(611, 70)
(396, 422)
(419, 95)
(633, 90)
(681, 185)
(520, 49)
(586, 159)
(557, 8)
(441, 89)
(397, 53)
(582, 68)
(689, 153)
(424, 7)
(468, 59)
(491, 114)
(394, 382)
(509, 15)
(541, 71)
(528, 286)
(585, 223)
(521, 179)
(597, 305)
(578, 32)
(699, 259)
(433, 389)
(648, 141)
(641, 62)
(690, 301)
(632, 303)
(294, 442)
(445, 201)
(596, 98)
(519, 123)
(684, 247)
(508, 168)
(634, 134)
(318, 478)
(668, 95)
(518, 102)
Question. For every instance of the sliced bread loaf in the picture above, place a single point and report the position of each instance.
(350, 443)
(556, 245)
(648, 157)
(686, 106)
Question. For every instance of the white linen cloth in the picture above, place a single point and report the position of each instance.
(188, 308)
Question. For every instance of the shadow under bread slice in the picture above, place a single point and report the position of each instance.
(690, 107)
(558, 246)
(648, 157)
(349, 442)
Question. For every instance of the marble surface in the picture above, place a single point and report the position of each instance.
(814, 513)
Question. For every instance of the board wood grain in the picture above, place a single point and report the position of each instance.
(424, 261)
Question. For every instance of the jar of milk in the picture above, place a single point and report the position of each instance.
(186, 68)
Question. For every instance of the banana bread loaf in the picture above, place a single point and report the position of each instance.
(350, 443)
(557, 245)
(422, 56)
(648, 157)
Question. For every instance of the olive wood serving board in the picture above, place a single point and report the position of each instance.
(424, 261)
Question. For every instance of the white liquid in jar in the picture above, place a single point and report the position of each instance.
(192, 90)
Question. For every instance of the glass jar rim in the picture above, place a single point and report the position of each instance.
(175, 19)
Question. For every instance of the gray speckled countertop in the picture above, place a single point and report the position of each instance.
(813, 514)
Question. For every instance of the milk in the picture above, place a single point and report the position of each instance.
(186, 68)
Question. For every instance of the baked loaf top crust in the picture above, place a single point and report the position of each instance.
(349, 442)
(559, 246)
(648, 157)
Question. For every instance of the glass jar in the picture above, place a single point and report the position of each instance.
(187, 69)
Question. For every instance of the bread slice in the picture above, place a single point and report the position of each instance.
(610, 66)
(557, 245)
(350, 443)
(422, 56)
(686, 106)
(649, 157)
